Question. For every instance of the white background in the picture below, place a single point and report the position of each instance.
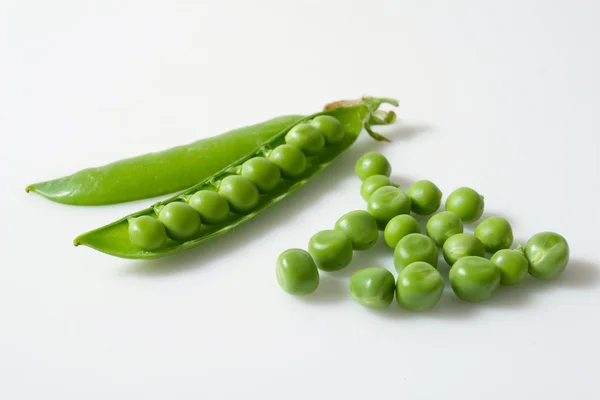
(502, 96)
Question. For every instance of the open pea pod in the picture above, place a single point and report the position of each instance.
(354, 116)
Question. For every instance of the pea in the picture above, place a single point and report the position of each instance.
(548, 255)
(212, 207)
(462, 245)
(425, 197)
(398, 227)
(372, 163)
(330, 127)
(290, 160)
(241, 194)
(262, 172)
(467, 203)
(360, 227)
(495, 233)
(331, 250)
(415, 247)
(306, 137)
(147, 233)
(372, 183)
(512, 265)
(387, 202)
(180, 220)
(443, 225)
(373, 287)
(297, 272)
(419, 287)
(474, 278)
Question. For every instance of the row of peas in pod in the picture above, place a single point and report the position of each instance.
(479, 263)
(238, 191)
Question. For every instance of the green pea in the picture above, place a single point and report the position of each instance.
(462, 245)
(495, 233)
(467, 203)
(306, 137)
(548, 255)
(474, 278)
(443, 225)
(181, 221)
(241, 194)
(289, 159)
(398, 227)
(297, 272)
(415, 247)
(373, 287)
(512, 265)
(212, 207)
(419, 287)
(360, 227)
(387, 202)
(262, 172)
(331, 250)
(147, 233)
(372, 183)
(425, 197)
(372, 163)
(330, 127)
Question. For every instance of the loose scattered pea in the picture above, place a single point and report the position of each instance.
(443, 225)
(387, 202)
(548, 255)
(372, 163)
(425, 197)
(331, 250)
(398, 227)
(372, 183)
(181, 221)
(290, 160)
(462, 245)
(512, 265)
(330, 127)
(415, 247)
(147, 233)
(241, 194)
(495, 233)
(467, 203)
(306, 137)
(360, 227)
(373, 287)
(419, 287)
(212, 207)
(297, 272)
(474, 278)
(262, 172)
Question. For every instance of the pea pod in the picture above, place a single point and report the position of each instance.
(354, 116)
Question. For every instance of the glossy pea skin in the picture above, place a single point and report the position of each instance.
(373, 287)
(387, 202)
(360, 227)
(372, 183)
(262, 172)
(290, 160)
(548, 255)
(419, 287)
(181, 221)
(330, 127)
(212, 207)
(372, 163)
(240, 193)
(512, 265)
(415, 247)
(306, 138)
(147, 233)
(297, 273)
(495, 233)
(425, 197)
(443, 225)
(398, 227)
(331, 250)
(467, 203)
(474, 278)
(462, 245)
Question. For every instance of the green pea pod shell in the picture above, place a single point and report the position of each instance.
(355, 115)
